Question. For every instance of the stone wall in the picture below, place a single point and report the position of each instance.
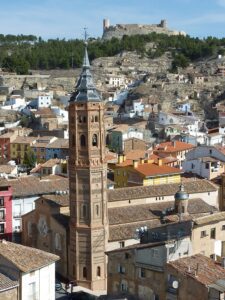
(120, 30)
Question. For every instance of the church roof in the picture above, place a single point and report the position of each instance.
(85, 90)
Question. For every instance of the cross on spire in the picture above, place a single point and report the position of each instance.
(85, 35)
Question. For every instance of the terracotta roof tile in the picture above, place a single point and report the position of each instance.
(191, 186)
(26, 259)
(59, 143)
(154, 169)
(30, 185)
(208, 271)
(173, 147)
(51, 163)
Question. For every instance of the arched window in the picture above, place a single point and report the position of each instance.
(73, 140)
(84, 272)
(82, 140)
(84, 119)
(95, 140)
(96, 118)
(80, 119)
(98, 271)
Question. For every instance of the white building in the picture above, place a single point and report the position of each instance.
(15, 102)
(33, 269)
(44, 100)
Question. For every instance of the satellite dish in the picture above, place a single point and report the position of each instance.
(175, 284)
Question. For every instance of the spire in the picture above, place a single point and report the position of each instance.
(85, 90)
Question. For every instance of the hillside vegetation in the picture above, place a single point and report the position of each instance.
(23, 52)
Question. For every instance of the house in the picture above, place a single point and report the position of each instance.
(195, 277)
(175, 149)
(197, 78)
(5, 141)
(25, 190)
(39, 147)
(6, 212)
(7, 170)
(14, 102)
(59, 148)
(53, 211)
(52, 166)
(44, 100)
(145, 172)
(121, 133)
(20, 147)
(47, 119)
(206, 167)
(32, 269)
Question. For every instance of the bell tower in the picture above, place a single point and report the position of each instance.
(88, 184)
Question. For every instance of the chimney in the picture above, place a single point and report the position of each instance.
(120, 159)
(135, 163)
(160, 162)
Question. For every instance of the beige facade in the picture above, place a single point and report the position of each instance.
(46, 228)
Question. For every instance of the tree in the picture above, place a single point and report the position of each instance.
(30, 159)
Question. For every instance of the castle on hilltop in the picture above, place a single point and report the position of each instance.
(119, 30)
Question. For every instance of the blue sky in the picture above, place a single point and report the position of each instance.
(67, 18)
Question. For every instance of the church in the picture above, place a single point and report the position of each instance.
(90, 220)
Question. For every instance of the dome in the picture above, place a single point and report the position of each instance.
(181, 194)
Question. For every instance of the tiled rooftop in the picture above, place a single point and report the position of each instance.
(7, 169)
(59, 143)
(51, 163)
(191, 186)
(175, 146)
(26, 259)
(207, 270)
(30, 185)
(7, 283)
(153, 169)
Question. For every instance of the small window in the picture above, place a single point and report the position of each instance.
(155, 252)
(1, 201)
(203, 234)
(121, 269)
(210, 151)
(122, 244)
(84, 272)
(73, 140)
(82, 140)
(223, 227)
(213, 233)
(142, 273)
(98, 271)
(96, 118)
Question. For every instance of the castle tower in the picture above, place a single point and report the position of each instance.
(181, 202)
(106, 24)
(88, 184)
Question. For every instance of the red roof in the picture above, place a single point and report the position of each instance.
(154, 169)
(174, 146)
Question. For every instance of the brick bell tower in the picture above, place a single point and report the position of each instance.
(88, 184)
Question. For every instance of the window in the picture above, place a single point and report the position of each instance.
(127, 255)
(32, 291)
(84, 211)
(124, 286)
(213, 233)
(95, 140)
(122, 244)
(223, 227)
(82, 140)
(97, 210)
(96, 118)
(210, 151)
(73, 140)
(1, 228)
(203, 234)
(84, 272)
(57, 241)
(192, 166)
(207, 165)
(1, 201)
(142, 273)
(98, 271)
(121, 269)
